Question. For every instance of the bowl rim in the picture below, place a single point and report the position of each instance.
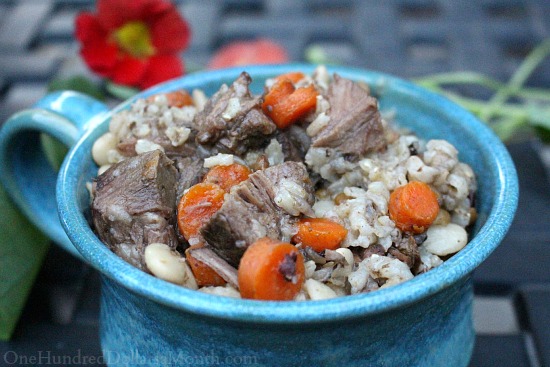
(450, 272)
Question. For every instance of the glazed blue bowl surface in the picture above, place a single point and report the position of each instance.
(425, 321)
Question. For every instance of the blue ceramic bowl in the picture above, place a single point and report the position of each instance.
(426, 321)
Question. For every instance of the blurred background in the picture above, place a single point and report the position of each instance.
(409, 38)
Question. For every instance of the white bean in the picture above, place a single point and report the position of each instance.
(225, 291)
(445, 240)
(102, 169)
(317, 290)
(101, 148)
(340, 291)
(443, 218)
(113, 156)
(167, 264)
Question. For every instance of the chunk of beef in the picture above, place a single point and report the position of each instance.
(265, 205)
(295, 143)
(135, 204)
(406, 250)
(355, 126)
(311, 254)
(190, 172)
(374, 249)
(232, 120)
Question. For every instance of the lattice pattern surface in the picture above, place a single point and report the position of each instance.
(408, 38)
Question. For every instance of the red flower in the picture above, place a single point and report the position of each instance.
(261, 51)
(133, 42)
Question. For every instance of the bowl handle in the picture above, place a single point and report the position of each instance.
(26, 174)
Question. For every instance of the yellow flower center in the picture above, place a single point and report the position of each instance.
(135, 39)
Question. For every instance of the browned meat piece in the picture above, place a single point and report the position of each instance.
(232, 120)
(190, 172)
(311, 254)
(295, 143)
(250, 211)
(127, 146)
(261, 163)
(355, 126)
(135, 204)
(374, 249)
(406, 250)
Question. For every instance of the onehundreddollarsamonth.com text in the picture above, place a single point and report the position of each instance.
(47, 357)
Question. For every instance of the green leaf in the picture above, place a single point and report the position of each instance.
(120, 91)
(506, 128)
(77, 83)
(538, 115)
(520, 76)
(22, 249)
(543, 133)
(54, 150)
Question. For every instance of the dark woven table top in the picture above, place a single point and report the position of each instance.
(407, 38)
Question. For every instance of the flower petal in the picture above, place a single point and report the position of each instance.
(170, 32)
(162, 68)
(111, 13)
(100, 56)
(129, 71)
(88, 28)
(114, 13)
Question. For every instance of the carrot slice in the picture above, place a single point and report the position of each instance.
(177, 98)
(278, 92)
(227, 176)
(197, 206)
(204, 274)
(271, 270)
(285, 104)
(413, 207)
(294, 76)
(320, 234)
(294, 107)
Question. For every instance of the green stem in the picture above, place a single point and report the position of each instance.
(477, 107)
(506, 128)
(466, 77)
(459, 77)
(517, 80)
(505, 118)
